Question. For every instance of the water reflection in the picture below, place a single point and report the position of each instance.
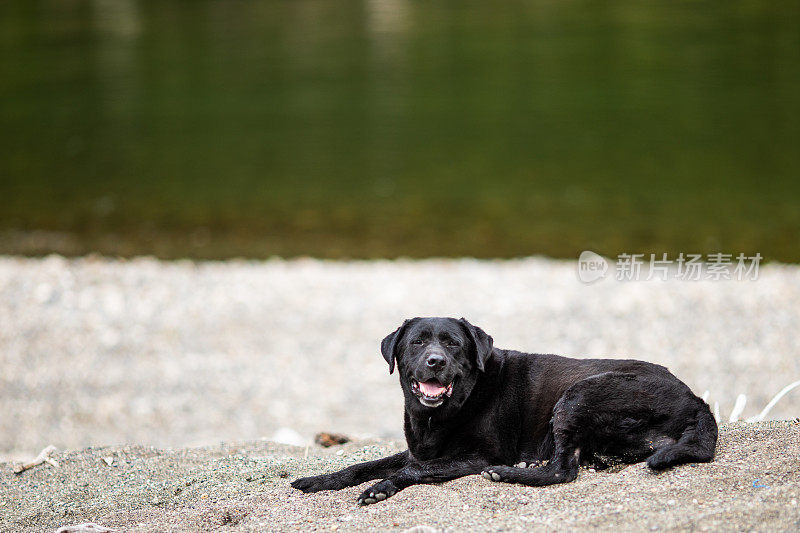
(390, 127)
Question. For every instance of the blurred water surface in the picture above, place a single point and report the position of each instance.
(364, 128)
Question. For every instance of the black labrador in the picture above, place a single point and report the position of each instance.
(471, 408)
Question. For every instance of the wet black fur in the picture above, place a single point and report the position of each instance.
(509, 407)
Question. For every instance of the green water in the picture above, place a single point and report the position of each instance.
(390, 128)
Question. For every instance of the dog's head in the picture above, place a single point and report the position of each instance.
(438, 360)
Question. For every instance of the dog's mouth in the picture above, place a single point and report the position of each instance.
(431, 393)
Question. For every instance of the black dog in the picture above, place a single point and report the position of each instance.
(471, 408)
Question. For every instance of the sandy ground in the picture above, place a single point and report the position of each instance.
(753, 485)
(97, 352)
(132, 354)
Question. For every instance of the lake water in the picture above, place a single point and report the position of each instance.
(391, 127)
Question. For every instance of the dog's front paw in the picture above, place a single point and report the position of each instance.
(318, 483)
(377, 492)
(500, 473)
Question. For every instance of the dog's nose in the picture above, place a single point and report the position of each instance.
(435, 361)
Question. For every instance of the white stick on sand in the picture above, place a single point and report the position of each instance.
(43, 457)
(772, 402)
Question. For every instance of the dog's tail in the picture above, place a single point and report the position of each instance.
(696, 445)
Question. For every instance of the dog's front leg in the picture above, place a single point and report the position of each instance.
(353, 475)
(416, 472)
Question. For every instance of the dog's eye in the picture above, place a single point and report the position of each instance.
(416, 341)
(453, 344)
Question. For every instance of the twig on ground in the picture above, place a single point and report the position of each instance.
(738, 407)
(772, 402)
(43, 457)
(741, 401)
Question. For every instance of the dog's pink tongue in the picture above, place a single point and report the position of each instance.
(431, 388)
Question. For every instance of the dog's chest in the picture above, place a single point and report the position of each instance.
(428, 441)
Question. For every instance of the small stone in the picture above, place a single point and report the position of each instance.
(670, 502)
(204, 496)
(340, 452)
(330, 439)
(108, 460)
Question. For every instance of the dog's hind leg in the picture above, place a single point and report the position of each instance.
(696, 445)
(563, 465)
(625, 416)
(562, 469)
(590, 415)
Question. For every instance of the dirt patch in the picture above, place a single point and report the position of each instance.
(754, 484)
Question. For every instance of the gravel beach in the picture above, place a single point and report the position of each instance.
(97, 352)
(149, 365)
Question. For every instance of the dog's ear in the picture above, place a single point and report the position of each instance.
(389, 345)
(483, 343)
